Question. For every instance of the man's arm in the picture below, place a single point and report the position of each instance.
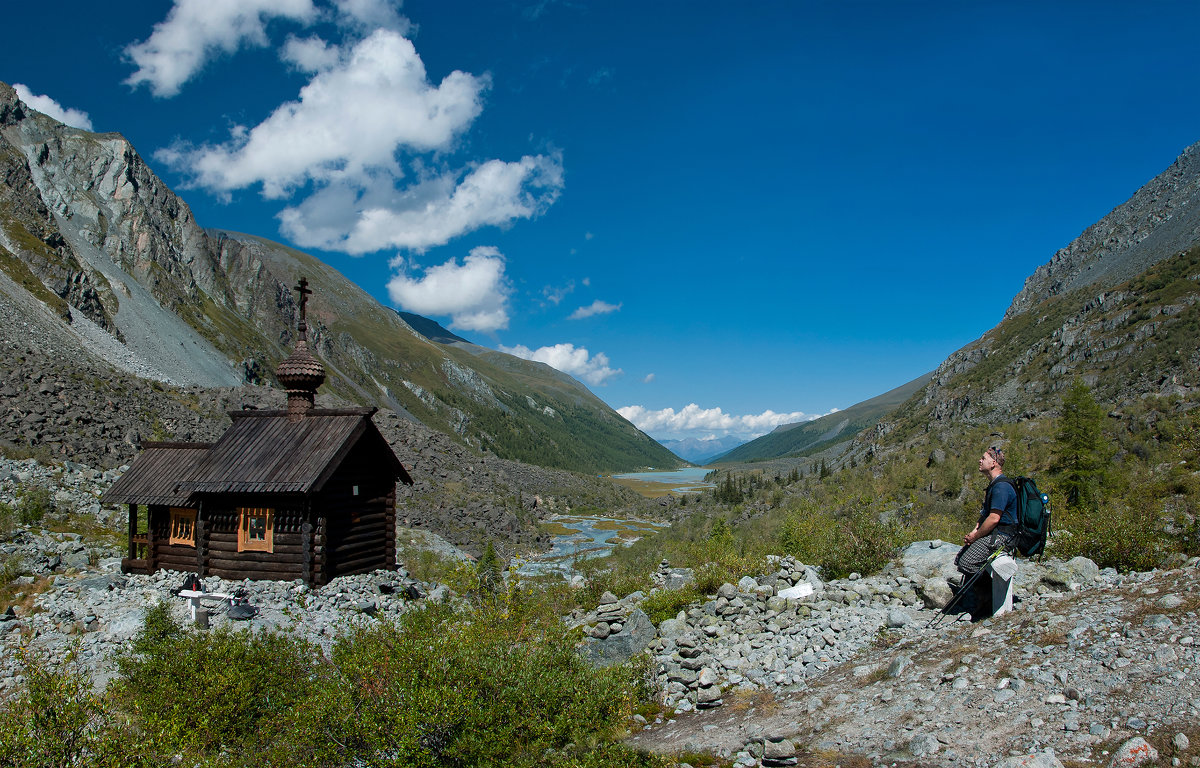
(983, 529)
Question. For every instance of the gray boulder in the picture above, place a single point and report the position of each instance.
(622, 646)
(936, 593)
(929, 559)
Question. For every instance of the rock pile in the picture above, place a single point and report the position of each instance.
(98, 612)
(1089, 659)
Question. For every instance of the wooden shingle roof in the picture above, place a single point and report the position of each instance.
(262, 452)
(155, 475)
(265, 452)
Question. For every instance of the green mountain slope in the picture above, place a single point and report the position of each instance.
(88, 229)
(809, 437)
(1118, 308)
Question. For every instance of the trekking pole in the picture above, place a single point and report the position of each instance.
(966, 585)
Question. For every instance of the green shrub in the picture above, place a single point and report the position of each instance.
(11, 566)
(852, 540)
(1125, 536)
(33, 504)
(8, 518)
(667, 603)
(203, 691)
(56, 720)
(494, 687)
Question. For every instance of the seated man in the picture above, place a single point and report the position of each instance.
(995, 529)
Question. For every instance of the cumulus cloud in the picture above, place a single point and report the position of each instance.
(649, 377)
(577, 361)
(195, 31)
(309, 54)
(360, 153)
(597, 307)
(352, 116)
(474, 294)
(692, 419)
(367, 215)
(51, 108)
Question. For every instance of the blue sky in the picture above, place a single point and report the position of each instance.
(719, 216)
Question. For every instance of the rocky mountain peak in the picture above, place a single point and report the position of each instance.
(12, 109)
(1160, 220)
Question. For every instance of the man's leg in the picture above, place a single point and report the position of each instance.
(972, 557)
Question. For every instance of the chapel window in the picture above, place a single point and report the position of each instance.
(256, 529)
(183, 526)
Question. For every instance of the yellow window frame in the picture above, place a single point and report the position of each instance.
(183, 526)
(256, 529)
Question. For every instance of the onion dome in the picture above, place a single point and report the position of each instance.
(301, 373)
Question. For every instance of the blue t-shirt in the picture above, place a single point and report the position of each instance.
(1003, 498)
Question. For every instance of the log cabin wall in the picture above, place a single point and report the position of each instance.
(221, 556)
(162, 554)
(360, 533)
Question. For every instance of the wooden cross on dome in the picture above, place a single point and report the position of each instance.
(304, 294)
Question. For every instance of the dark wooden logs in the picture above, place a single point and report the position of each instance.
(264, 566)
(375, 535)
(236, 574)
(389, 530)
(342, 554)
(358, 564)
(151, 549)
(306, 554)
(201, 544)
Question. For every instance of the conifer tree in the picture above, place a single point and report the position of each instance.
(1081, 456)
(488, 571)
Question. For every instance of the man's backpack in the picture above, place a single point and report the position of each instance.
(1033, 517)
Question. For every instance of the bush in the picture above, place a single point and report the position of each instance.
(490, 688)
(851, 541)
(667, 603)
(497, 685)
(56, 720)
(200, 692)
(33, 504)
(8, 518)
(1125, 536)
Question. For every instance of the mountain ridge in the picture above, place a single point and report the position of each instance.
(87, 228)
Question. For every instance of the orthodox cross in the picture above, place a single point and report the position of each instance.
(304, 292)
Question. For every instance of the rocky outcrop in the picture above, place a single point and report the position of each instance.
(1161, 219)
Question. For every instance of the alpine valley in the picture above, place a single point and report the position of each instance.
(787, 617)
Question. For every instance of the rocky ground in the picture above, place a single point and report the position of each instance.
(854, 674)
(785, 668)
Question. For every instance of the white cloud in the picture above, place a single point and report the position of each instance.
(474, 294)
(686, 422)
(556, 295)
(648, 378)
(367, 215)
(577, 361)
(195, 31)
(352, 116)
(51, 108)
(309, 54)
(597, 307)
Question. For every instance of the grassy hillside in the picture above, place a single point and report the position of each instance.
(514, 408)
(810, 437)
